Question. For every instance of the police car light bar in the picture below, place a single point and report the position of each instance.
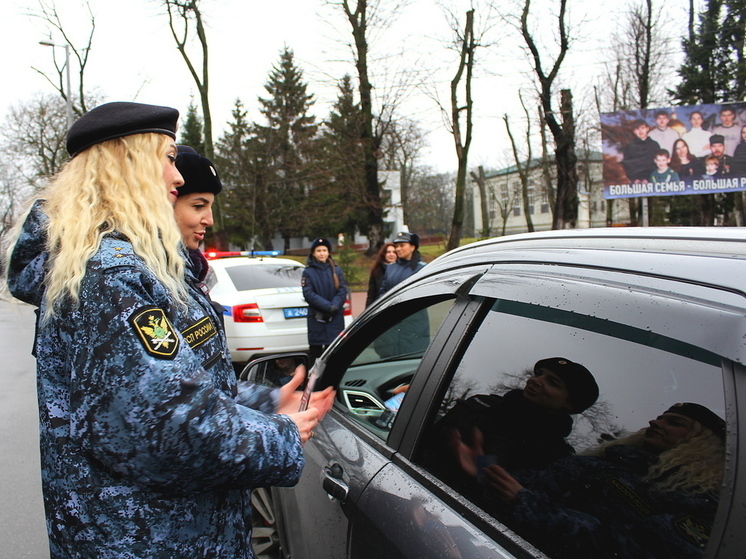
(213, 254)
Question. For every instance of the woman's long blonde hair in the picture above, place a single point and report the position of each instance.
(695, 465)
(116, 185)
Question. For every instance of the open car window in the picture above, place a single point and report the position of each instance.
(375, 383)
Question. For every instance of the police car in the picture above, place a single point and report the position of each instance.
(264, 308)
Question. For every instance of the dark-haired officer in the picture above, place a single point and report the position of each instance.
(193, 212)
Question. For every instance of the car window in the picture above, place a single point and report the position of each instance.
(374, 385)
(266, 275)
(490, 413)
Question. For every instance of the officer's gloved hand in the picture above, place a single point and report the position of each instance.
(333, 310)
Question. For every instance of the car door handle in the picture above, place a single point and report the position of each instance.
(333, 484)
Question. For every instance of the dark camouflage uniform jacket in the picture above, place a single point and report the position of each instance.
(149, 447)
(599, 507)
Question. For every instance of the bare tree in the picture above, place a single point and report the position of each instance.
(32, 149)
(357, 15)
(399, 150)
(182, 16)
(506, 207)
(524, 169)
(640, 60)
(462, 110)
(50, 16)
(562, 128)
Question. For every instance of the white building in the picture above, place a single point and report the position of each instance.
(393, 212)
(505, 199)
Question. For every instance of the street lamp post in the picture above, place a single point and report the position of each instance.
(69, 94)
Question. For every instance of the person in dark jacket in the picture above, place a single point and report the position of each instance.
(639, 154)
(522, 429)
(408, 262)
(650, 495)
(325, 291)
(385, 257)
(193, 212)
(149, 446)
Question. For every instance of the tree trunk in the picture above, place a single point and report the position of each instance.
(566, 209)
(466, 63)
(481, 181)
(370, 142)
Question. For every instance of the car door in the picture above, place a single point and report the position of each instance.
(650, 343)
(384, 350)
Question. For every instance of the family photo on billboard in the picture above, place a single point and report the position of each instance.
(697, 149)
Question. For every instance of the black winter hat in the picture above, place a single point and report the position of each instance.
(198, 172)
(717, 139)
(581, 386)
(118, 119)
(700, 413)
(320, 241)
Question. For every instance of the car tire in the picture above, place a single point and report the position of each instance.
(264, 537)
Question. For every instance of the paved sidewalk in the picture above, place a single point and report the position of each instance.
(358, 302)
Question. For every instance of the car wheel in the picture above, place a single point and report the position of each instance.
(264, 537)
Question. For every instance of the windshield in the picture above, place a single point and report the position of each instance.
(261, 276)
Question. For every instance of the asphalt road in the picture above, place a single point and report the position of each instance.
(22, 530)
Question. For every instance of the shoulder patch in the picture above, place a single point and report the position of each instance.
(199, 332)
(155, 332)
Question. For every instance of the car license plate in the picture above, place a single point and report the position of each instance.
(296, 312)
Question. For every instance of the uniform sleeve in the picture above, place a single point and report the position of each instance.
(341, 294)
(261, 398)
(310, 293)
(536, 515)
(162, 420)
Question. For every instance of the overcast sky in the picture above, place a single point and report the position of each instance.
(134, 59)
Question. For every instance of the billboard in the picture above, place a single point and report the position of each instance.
(669, 151)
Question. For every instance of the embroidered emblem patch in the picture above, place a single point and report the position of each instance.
(155, 332)
(199, 332)
(693, 529)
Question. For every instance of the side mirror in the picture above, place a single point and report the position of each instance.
(274, 370)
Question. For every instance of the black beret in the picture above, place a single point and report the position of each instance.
(705, 416)
(114, 120)
(198, 172)
(320, 241)
(581, 386)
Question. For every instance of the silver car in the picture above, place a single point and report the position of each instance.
(659, 318)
